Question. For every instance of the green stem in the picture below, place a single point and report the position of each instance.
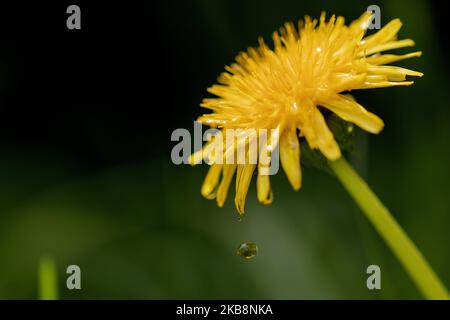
(48, 280)
(391, 232)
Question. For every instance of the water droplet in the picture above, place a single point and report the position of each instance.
(247, 250)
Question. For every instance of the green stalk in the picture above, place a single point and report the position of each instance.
(48, 280)
(391, 232)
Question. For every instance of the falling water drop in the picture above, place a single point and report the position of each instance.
(247, 250)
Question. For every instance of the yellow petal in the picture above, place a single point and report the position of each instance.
(227, 176)
(243, 179)
(264, 192)
(389, 58)
(290, 157)
(202, 154)
(325, 139)
(351, 111)
(210, 183)
(346, 81)
(361, 24)
(384, 84)
(385, 34)
(196, 157)
(393, 73)
(388, 46)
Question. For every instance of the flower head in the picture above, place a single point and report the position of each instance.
(288, 88)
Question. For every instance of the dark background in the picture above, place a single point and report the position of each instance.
(85, 172)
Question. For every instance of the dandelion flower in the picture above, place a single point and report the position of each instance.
(310, 69)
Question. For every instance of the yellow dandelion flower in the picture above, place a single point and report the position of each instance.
(287, 88)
